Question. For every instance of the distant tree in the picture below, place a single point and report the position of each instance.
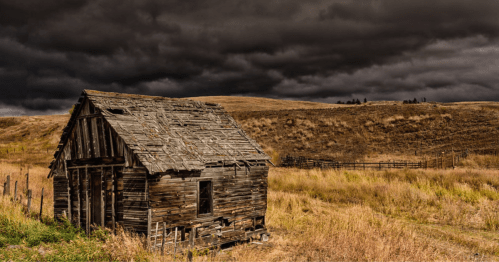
(415, 101)
(357, 101)
(425, 99)
(339, 102)
(349, 102)
(365, 100)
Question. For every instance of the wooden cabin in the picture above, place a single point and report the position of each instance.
(155, 165)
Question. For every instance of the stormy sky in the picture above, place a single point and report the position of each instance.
(444, 50)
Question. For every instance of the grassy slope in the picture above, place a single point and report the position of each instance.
(236, 104)
(375, 132)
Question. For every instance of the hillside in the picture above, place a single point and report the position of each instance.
(375, 130)
(31, 139)
(241, 103)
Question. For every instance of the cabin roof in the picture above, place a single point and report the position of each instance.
(172, 134)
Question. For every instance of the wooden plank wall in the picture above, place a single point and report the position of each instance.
(60, 195)
(134, 207)
(239, 204)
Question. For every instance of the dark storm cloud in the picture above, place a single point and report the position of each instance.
(314, 50)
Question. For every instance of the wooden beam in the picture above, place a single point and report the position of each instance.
(79, 199)
(111, 142)
(104, 150)
(95, 138)
(96, 166)
(102, 198)
(87, 204)
(113, 196)
(90, 116)
(149, 215)
(69, 189)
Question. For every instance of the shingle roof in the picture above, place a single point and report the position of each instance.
(175, 134)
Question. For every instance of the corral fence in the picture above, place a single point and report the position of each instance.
(438, 161)
(307, 163)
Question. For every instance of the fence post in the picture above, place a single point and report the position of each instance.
(29, 201)
(27, 181)
(175, 245)
(15, 192)
(156, 236)
(164, 239)
(149, 215)
(6, 188)
(41, 205)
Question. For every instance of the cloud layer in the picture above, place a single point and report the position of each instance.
(445, 50)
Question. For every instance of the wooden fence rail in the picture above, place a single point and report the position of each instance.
(306, 163)
(438, 161)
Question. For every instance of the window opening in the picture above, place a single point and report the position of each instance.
(116, 111)
(205, 199)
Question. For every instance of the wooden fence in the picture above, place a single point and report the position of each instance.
(306, 163)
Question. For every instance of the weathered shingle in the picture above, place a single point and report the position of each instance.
(175, 134)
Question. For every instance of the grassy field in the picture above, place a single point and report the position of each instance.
(312, 214)
(319, 215)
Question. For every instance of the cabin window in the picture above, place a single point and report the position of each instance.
(205, 203)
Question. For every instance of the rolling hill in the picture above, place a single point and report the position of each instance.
(374, 130)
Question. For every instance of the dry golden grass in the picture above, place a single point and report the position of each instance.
(480, 161)
(30, 139)
(353, 215)
(242, 103)
(375, 130)
(37, 181)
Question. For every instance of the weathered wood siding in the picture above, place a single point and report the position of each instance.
(91, 143)
(239, 204)
(134, 199)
